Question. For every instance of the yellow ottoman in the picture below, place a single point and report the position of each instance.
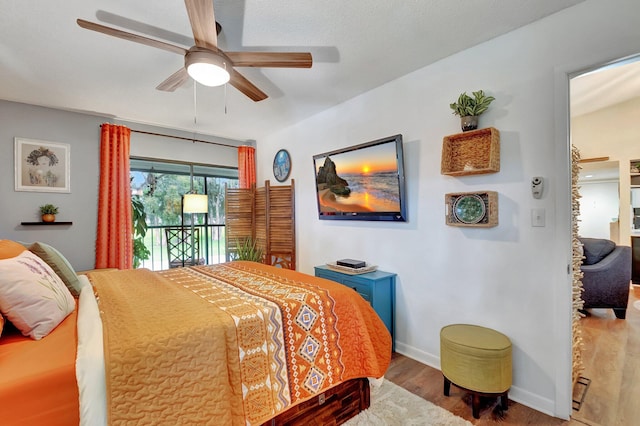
(478, 360)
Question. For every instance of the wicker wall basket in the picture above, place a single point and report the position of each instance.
(472, 209)
(471, 153)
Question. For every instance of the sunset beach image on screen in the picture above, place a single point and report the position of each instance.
(362, 182)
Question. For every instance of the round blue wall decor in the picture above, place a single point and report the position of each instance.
(281, 165)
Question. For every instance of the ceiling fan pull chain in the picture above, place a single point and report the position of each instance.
(195, 104)
(225, 99)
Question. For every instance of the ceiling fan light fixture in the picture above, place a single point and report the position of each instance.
(206, 68)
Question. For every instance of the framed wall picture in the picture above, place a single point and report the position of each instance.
(281, 165)
(42, 166)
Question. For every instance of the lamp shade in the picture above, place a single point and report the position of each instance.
(195, 203)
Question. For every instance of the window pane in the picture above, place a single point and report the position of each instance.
(160, 186)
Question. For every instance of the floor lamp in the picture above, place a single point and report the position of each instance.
(193, 204)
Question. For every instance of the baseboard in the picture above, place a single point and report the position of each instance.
(519, 395)
(531, 400)
(419, 355)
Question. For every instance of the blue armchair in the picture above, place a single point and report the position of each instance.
(606, 277)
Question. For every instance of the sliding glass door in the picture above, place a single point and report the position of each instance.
(160, 185)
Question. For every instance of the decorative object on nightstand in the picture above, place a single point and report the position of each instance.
(351, 271)
(471, 153)
(376, 287)
(469, 109)
(352, 263)
(474, 209)
(48, 212)
(351, 266)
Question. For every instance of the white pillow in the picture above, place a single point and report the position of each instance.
(32, 296)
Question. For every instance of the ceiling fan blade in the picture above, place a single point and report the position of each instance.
(203, 23)
(174, 81)
(271, 59)
(245, 86)
(131, 37)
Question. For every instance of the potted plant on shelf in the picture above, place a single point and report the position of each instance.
(469, 108)
(48, 212)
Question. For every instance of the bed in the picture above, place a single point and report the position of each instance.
(235, 343)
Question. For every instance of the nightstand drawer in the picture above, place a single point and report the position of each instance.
(363, 289)
(377, 287)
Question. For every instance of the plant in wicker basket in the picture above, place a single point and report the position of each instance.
(469, 108)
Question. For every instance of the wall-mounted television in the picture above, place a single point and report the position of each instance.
(362, 182)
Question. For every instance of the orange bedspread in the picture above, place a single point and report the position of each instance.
(237, 343)
(38, 378)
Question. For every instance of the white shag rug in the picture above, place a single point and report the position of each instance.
(393, 405)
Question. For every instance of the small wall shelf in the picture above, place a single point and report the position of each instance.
(45, 223)
(471, 153)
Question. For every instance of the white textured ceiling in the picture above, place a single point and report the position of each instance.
(605, 86)
(357, 45)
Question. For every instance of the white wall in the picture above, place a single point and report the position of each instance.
(513, 277)
(599, 206)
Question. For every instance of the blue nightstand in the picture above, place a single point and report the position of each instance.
(377, 287)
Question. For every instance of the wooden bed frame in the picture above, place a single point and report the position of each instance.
(333, 407)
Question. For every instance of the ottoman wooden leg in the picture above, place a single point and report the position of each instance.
(475, 405)
(447, 386)
(504, 398)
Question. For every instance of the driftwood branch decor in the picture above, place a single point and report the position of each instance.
(577, 273)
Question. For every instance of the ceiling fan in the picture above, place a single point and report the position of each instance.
(204, 62)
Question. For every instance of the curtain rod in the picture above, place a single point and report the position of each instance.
(182, 138)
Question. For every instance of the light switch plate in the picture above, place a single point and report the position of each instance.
(537, 217)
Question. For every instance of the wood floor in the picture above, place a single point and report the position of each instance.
(612, 364)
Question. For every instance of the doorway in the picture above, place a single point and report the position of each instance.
(601, 103)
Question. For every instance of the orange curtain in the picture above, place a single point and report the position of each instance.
(114, 243)
(247, 166)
